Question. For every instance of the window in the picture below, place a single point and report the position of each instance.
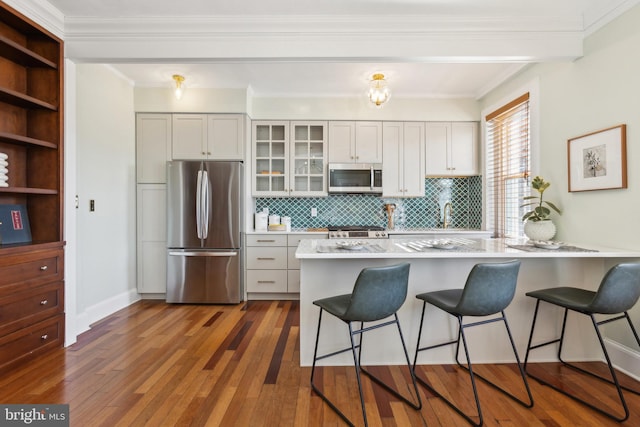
(508, 163)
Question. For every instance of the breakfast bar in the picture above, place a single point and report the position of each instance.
(329, 268)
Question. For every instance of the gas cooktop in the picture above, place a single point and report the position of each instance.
(357, 231)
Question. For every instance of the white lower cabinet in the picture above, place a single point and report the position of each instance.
(272, 266)
(151, 238)
(266, 263)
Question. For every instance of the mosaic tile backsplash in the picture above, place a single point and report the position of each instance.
(465, 195)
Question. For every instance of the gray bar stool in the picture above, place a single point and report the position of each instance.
(489, 289)
(619, 291)
(377, 294)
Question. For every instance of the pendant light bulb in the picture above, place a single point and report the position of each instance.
(179, 91)
(379, 92)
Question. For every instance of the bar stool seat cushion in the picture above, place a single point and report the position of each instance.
(571, 298)
(446, 300)
(489, 289)
(336, 305)
(377, 294)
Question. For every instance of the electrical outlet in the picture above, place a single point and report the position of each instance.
(314, 212)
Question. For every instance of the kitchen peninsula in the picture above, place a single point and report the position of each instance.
(328, 270)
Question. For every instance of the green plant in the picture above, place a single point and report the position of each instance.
(541, 210)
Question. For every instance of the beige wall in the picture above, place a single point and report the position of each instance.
(595, 92)
(598, 91)
(105, 170)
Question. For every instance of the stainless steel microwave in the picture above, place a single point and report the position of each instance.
(355, 178)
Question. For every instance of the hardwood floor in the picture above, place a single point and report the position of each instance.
(154, 364)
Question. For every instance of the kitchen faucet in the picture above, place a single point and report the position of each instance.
(446, 220)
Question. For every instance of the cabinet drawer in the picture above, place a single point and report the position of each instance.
(266, 240)
(24, 308)
(294, 239)
(266, 281)
(267, 258)
(36, 338)
(293, 281)
(31, 269)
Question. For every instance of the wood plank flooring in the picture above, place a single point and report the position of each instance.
(155, 364)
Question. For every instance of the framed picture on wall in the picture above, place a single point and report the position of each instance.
(598, 160)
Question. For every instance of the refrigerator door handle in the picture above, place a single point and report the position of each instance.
(201, 253)
(206, 206)
(199, 205)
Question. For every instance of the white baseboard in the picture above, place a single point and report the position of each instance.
(624, 358)
(103, 309)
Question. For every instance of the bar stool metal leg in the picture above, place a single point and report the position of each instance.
(614, 378)
(356, 350)
(469, 367)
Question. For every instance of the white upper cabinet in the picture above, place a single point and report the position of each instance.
(153, 147)
(308, 158)
(208, 136)
(270, 155)
(225, 136)
(452, 148)
(189, 136)
(355, 142)
(289, 158)
(404, 159)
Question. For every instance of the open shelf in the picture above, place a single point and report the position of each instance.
(23, 56)
(25, 101)
(27, 190)
(25, 140)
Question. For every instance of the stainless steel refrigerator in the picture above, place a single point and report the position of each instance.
(204, 232)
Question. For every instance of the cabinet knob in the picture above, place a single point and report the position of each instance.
(44, 302)
(209, 153)
(44, 268)
(44, 337)
(203, 153)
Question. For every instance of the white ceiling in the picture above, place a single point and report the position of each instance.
(410, 75)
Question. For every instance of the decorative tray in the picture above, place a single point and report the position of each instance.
(350, 245)
(547, 244)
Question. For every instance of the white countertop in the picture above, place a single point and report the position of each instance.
(466, 248)
(395, 231)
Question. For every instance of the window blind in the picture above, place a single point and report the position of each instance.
(508, 166)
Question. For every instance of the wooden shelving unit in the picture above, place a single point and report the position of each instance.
(31, 134)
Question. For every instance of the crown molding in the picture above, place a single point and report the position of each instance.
(272, 24)
(407, 38)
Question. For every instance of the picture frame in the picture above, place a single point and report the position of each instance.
(598, 160)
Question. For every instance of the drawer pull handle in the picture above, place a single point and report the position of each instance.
(44, 337)
(44, 302)
(266, 259)
(266, 241)
(44, 268)
(266, 281)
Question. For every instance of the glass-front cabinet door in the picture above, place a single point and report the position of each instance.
(271, 159)
(308, 159)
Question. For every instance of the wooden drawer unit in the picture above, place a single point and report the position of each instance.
(31, 269)
(32, 340)
(266, 281)
(21, 309)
